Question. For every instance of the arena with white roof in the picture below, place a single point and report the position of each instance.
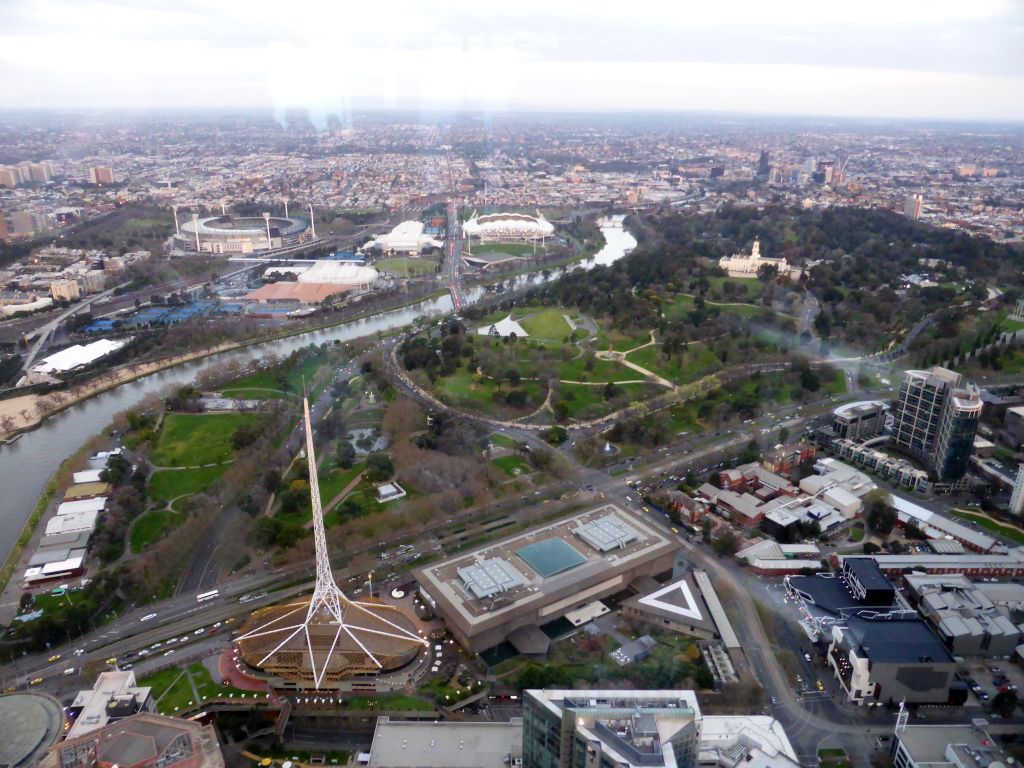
(508, 227)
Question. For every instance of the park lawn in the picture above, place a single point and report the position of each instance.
(602, 370)
(503, 441)
(588, 401)
(267, 383)
(208, 689)
(1009, 325)
(620, 342)
(682, 305)
(513, 466)
(168, 484)
(770, 388)
(835, 387)
(152, 526)
(195, 439)
(160, 681)
(751, 285)
(423, 265)
(463, 388)
(683, 418)
(177, 697)
(548, 324)
(856, 533)
(1013, 534)
(693, 364)
(335, 481)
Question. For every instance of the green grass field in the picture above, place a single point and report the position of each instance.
(152, 526)
(620, 342)
(1013, 534)
(334, 481)
(512, 249)
(602, 370)
(835, 387)
(751, 285)
(588, 401)
(171, 483)
(504, 441)
(681, 305)
(422, 265)
(266, 384)
(695, 363)
(513, 466)
(195, 439)
(548, 324)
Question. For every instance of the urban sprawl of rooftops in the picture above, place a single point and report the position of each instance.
(967, 177)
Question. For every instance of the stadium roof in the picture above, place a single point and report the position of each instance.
(227, 225)
(550, 556)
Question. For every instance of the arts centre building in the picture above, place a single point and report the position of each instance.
(508, 590)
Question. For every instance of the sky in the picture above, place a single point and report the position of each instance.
(928, 59)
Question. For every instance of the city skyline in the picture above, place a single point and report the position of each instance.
(941, 60)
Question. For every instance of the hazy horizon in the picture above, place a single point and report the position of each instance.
(924, 60)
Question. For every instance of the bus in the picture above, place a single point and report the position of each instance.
(202, 597)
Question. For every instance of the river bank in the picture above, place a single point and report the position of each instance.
(28, 411)
(46, 442)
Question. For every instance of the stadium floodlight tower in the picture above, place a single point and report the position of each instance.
(266, 219)
(329, 609)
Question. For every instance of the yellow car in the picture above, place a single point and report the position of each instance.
(37, 681)
(111, 660)
(11, 689)
(55, 657)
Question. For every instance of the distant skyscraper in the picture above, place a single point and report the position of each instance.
(4, 234)
(101, 175)
(764, 166)
(912, 206)
(1017, 497)
(935, 420)
(40, 172)
(9, 177)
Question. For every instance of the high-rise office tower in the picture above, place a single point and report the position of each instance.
(1017, 497)
(764, 166)
(935, 420)
(101, 175)
(912, 206)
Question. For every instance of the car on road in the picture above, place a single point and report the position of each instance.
(199, 631)
(36, 681)
(111, 660)
(144, 652)
(55, 657)
(78, 652)
(168, 653)
(69, 671)
(807, 657)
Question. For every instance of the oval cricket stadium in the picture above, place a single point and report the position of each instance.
(240, 234)
(508, 227)
(319, 641)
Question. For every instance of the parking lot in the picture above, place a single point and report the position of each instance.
(987, 678)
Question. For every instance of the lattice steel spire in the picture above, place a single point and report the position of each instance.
(328, 605)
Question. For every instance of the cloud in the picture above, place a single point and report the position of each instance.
(874, 57)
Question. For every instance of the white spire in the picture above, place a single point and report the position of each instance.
(328, 604)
